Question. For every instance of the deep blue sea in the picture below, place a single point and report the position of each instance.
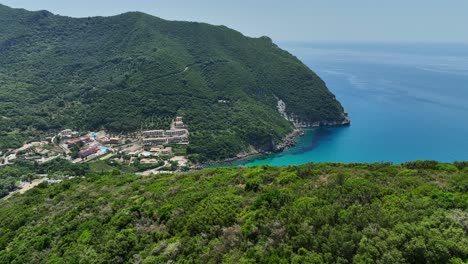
(406, 102)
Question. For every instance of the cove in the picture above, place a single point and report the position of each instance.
(406, 102)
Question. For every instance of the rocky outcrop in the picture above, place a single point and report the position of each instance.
(300, 123)
(290, 140)
(287, 142)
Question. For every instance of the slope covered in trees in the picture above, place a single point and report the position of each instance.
(26, 171)
(134, 71)
(323, 213)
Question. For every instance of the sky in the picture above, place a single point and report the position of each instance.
(408, 21)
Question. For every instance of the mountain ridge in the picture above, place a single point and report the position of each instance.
(118, 73)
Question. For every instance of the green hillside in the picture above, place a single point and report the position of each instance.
(134, 71)
(323, 213)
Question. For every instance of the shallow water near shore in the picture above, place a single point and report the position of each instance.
(406, 102)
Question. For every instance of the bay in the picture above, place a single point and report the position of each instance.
(406, 102)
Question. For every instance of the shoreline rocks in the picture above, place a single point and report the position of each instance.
(290, 140)
(287, 142)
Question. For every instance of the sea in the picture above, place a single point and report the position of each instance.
(406, 102)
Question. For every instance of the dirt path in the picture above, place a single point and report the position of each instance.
(28, 186)
(187, 67)
(25, 187)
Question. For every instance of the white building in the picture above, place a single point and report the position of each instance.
(153, 133)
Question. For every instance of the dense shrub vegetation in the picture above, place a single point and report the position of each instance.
(315, 213)
(25, 171)
(136, 71)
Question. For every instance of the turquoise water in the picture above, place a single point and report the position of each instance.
(406, 102)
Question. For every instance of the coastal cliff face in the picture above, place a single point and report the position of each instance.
(299, 122)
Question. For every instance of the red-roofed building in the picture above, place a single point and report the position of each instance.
(85, 139)
(74, 141)
(86, 152)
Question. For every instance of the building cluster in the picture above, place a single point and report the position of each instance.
(149, 161)
(35, 151)
(161, 150)
(68, 133)
(152, 148)
(93, 144)
(109, 140)
(178, 123)
(155, 151)
(74, 141)
(88, 151)
(178, 134)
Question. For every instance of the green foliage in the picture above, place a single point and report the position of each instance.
(315, 213)
(24, 171)
(287, 177)
(134, 71)
(10, 140)
(143, 167)
(85, 237)
(421, 164)
(214, 212)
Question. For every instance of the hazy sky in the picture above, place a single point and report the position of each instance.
(294, 20)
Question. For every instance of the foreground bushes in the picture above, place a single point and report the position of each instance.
(315, 213)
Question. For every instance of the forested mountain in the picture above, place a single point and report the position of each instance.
(134, 71)
(315, 213)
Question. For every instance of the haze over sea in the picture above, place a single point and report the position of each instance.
(406, 102)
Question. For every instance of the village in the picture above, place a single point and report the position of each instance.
(150, 151)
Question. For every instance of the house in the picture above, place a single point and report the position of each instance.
(178, 139)
(89, 151)
(181, 160)
(74, 141)
(86, 139)
(153, 133)
(179, 124)
(176, 132)
(68, 133)
(146, 154)
(148, 161)
(166, 151)
(106, 140)
(160, 150)
(156, 148)
(133, 150)
(34, 157)
(114, 141)
(102, 140)
(155, 141)
(134, 153)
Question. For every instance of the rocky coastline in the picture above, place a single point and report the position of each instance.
(322, 123)
(239, 157)
(287, 142)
